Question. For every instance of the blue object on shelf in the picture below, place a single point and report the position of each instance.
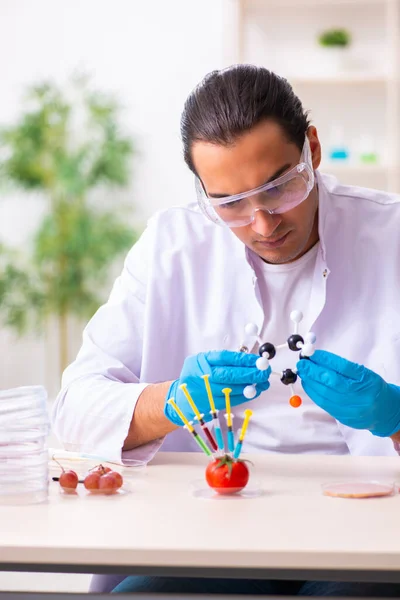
(339, 154)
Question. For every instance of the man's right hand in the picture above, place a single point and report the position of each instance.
(235, 370)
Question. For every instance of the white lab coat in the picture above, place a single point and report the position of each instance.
(187, 286)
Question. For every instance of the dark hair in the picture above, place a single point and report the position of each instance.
(230, 102)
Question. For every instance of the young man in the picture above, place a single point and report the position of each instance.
(267, 235)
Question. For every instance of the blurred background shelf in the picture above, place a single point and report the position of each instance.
(339, 168)
(342, 78)
(352, 94)
(315, 3)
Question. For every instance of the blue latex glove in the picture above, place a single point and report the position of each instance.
(351, 393)
(235, 370)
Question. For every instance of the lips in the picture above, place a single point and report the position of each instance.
(274, 243)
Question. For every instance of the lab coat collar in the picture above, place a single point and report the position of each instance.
(323, 211)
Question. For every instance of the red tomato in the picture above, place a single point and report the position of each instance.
(226, 476)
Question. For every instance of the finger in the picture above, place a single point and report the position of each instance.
(332, 380)
(335, 404)
(227, 358)
(337, 363)
(318, 394)
(237, 397)
(355, 417)
(245, 375)
(262, 388)
(236, 391)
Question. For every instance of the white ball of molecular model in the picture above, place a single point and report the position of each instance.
(267, 351)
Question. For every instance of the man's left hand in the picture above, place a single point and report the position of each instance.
(351, 393)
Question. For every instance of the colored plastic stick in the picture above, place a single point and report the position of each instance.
(238, 449)
(219, 436)
(214, 414)
(228, 415)
(209, 393)
(227, 392)
(231, 441)
(199, 417)
(190, 427)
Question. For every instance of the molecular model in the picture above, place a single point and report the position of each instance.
(267, 352)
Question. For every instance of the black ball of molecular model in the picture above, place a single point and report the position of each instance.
(267, 352)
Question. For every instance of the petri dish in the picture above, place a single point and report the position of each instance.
(18, 449)
(82, 492)
(358, 489)
(25, 489)
(29, 495)
(82, 467)
(24, 426)
(131, 468)
(23, 461)
(200, 489)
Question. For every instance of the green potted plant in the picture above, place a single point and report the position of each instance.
(333, 38)
(334, 44)
(67, 144)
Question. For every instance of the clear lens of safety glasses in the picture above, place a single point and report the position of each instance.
(278, 196)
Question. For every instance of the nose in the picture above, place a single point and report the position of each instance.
(264, 223)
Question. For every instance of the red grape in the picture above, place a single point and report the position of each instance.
(91, 481)
(118, 478)
(68, 480)
(109, 483)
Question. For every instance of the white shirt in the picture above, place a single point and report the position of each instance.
(283, 288)
(187, 286)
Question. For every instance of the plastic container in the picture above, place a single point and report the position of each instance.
(338, 150)
(24, 427)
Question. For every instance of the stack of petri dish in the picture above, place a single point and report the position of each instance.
(24, 427)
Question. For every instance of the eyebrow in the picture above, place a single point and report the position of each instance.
(277, 174)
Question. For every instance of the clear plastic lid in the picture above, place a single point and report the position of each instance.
(21, 434)
(32, 422)
(9, 449)
(12, 486)
(23, 408)
(21, 393)
(23, 461)
(28, 408)
(39, 474)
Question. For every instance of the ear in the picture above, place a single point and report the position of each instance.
(315, 146)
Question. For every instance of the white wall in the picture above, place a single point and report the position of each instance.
(152, 53)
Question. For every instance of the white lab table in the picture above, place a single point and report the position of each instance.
(291, 531)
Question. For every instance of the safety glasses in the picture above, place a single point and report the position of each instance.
(276, 197)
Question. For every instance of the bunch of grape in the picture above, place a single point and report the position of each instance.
(99, 480)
